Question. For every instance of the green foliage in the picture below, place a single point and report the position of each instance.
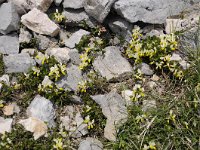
(57, 17)
(155, 50)
(89, 46)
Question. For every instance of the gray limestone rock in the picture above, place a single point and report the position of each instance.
(149, 11)
(9, 19)
(24, 36)
(145, 69)
(113, 65)
(72, 79)
(42, 109)
(9, 44)
(75, 38)
(90, 144)
(114, 109)
(18, 62)
(74, 4)
(77, 16)
(121, 27)
(60, 54)
(98, 9)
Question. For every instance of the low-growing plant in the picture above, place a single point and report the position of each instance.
(155, 50)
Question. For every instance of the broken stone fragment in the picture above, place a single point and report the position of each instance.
(9, 44)
(9, 19)
(75, 38)
(34, 125)
(114, 109)
(60, 54)
(10, 109)
(42, 109)
(98, 9)
(5, 125)
(112, 65)
(76, 4)
(18, 62)
(39, 22)
(73, 122)
(90, 144)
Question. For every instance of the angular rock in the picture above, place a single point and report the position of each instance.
(60, 54)
(30, 51)
(74, 56)
(149, 11)
(72, 79)
(90, 144)
(114, 109)
(75, 38)
(45, 42)
(23, 6)
(24, 36)
(73, 4)
(98, 9)
(145, 69)
(73, 122)
(77, 16)
(38, 127)
(41, 108)
(5, 125)
(39, 22)
(10, 109)
(18, 63)
(9, 44)
(113, 65)
(121, 27)
(9, 19)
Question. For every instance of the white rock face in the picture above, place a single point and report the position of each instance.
(149, 11)
(38, 127)
(5, 125)
(39, 22)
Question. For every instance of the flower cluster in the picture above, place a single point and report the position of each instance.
(138, 92)
(57, 17)
(155, 49)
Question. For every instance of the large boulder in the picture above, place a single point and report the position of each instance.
(9, 44)
(98, 9)
(9, 19)
(112, 65)
(18, 62)
(149, 11)
(39, 22)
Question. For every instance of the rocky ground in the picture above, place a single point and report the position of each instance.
(99, 74)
